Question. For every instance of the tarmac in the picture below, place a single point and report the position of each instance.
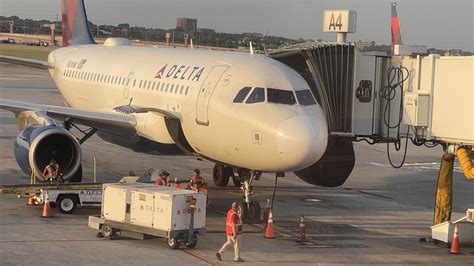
(377, 217)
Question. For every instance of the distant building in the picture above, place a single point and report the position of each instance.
(364, 44)
(186, 24)
(454, 52)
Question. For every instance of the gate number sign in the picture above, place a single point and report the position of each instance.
(339, 21)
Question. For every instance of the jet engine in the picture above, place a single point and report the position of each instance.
(35, 146)
(333, 169)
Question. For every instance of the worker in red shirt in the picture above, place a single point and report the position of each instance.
(196, 181)
(51, 171)
(163, 178)
(232, 225)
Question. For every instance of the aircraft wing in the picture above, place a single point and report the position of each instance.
(25, 62)
(113, 123)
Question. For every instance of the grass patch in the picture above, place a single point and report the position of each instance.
(24, 51)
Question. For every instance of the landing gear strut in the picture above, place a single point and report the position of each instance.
(249, 209)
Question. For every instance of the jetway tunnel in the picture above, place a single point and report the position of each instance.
(329, 71)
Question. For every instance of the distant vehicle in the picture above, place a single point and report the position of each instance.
(37, 43)
(9, 41)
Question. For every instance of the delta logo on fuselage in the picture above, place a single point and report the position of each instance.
(180, 72)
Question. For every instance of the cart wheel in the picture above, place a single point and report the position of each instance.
(108, 232)
(173, 243)
(193, 243)
(66, 204)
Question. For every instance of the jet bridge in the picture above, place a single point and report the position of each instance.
(382, 99)
(343, 81)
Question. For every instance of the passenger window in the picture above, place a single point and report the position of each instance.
(257, 96)
(186, 92)
(149, 83)
(134, 82)
(154, 85)
(162, 86)
(172, 87)
(281, 96)
(167, 85)
(140, 85)
(182, 89)
(242, 94)
(305, 97)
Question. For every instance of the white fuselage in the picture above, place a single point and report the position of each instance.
(199, 87)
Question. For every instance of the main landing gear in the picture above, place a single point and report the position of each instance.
(248, 209)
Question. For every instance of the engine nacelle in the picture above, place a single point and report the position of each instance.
(35, 146)
(333, 169)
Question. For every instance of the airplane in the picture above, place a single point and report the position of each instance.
(245, 112)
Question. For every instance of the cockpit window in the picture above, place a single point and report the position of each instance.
(281, 96)
(242, 94)
(305, 97)
(257, 96)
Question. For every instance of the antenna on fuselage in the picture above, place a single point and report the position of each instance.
(251, 48)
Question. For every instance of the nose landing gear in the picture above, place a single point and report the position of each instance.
(249, 210)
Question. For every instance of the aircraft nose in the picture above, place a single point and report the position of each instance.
(302, 140)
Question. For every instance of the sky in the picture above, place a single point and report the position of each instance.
(441, 24)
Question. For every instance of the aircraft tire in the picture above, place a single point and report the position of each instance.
(219, 175)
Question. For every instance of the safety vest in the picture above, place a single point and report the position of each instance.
(162, 182)
(233, 219)
(51, 172)
(196, 180)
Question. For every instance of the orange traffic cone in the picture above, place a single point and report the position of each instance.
(302, 236)
(269, 230)
(46, 207)
(31, 201)
(455, 242)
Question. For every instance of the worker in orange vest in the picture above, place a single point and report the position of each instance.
(232, 224)
(51, 171)
(196, 181)
(163, 178)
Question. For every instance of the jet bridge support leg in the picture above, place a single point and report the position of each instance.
(444, 190)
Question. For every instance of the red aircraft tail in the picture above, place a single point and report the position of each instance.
(75, 27)
(395, 27)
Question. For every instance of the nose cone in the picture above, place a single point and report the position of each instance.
(302, 140)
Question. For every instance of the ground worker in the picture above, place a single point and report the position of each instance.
(177, 184)
(51, 171)
(233, 222)
(163, 178)
(196, 181)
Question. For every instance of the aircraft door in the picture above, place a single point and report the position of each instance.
(205, 93)
(128, 84)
